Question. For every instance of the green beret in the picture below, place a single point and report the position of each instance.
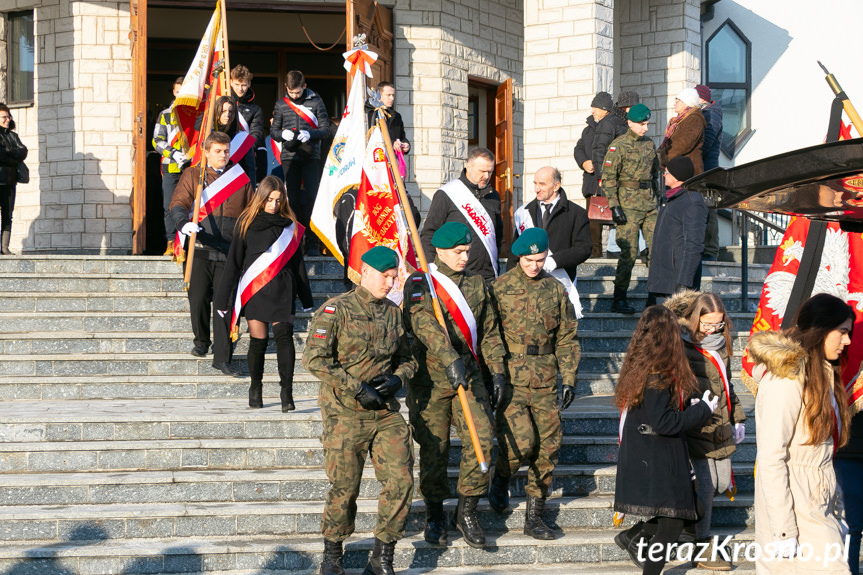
(450, 235)
(531, 242)
(638, 113)
(381, 258)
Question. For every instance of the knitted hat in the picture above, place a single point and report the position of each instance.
(681, 168)
(627, 99)
(381, 258)
(638, 113)
(703, 92)
(603, 101)
(688, 96)
(531, 241)
(450, 235)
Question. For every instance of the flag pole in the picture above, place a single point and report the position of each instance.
(846, 101)
(418, 250)
(207, 128)
(226, 83)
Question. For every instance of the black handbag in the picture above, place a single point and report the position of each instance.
(23, 175)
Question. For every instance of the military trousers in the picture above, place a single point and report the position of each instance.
(347, 441)
(433, 409)
(627, 239)
(528, 431)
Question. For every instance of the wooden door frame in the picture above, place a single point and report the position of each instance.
(138, 13)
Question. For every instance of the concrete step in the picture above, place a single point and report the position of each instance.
(257, 518)
(577, 551)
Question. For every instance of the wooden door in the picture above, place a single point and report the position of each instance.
(504, 157)
(376, 22)
(138, 12)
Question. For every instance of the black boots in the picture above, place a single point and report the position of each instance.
(435, 531)
(628, 541)
(619, 304)
(498, 493)
(381, 560)
(467, 522)
(283, 333)
(533, 524)
(5, 236)
(255, 359)
(332, 563)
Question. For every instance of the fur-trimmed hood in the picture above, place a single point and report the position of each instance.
(779, 354)
(679, 302)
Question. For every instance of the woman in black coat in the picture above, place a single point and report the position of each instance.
(12, 152)
(259, 226)
(653, 471)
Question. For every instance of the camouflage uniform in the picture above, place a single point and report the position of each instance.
(539, 331)
(432, 401)
(352, 338)
(630, 179)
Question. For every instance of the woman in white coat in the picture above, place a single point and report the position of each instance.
(801, 417)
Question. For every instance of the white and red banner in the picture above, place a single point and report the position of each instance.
(379, 217)
(225, 185)
(276, 149)
(476, 215)
(240, 145)
(303, 112)
(455, 303)
(264, 268)
(342, 168)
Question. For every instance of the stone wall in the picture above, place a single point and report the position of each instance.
(80, 130)
(568, 57)
(659, 52)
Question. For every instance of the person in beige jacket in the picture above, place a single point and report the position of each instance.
(801, 415)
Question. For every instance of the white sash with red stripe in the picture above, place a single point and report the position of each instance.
(303, 112)
(243, 123)
(240, 145)
(223, 188)
(276, 148)
(476, 215)
(265, 267)
(452, 298)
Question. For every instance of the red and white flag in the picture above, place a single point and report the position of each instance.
(264, 268)
(379, 217)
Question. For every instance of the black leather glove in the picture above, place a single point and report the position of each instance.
(498, 389)
(618, 216)
(386, 385)
(456, 374)
(568, 396)
(369, 398)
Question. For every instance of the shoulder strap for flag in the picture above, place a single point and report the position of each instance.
(452, 298)
(265, 267)
(303, 112)
(476, 216)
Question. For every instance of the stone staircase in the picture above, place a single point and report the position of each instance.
(122, 453)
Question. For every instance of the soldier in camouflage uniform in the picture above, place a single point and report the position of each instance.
(630, 181)
(539, 329)
(445, 364)
(359, 350)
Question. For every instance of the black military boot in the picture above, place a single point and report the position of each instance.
(619, 304)
(332, 563)
(467, 522)
(533, 524)
(255, 360)
(435, 531)
(629, 539)
(498, 493)
(381, 561)
(283, 333)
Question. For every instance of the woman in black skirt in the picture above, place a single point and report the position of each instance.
(258, 228)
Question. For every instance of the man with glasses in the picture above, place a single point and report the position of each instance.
(630, 181)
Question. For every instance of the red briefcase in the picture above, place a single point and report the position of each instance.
(598, 209)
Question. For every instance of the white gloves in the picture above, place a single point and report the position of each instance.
(711, 403)
(739, 432)
(287, 135)
(190, 228)
(550, 265)
(304, 136)
(786, 548)
(178, 157)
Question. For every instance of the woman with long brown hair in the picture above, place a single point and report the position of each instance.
(266, 237)
(657, 396)
(802, 417)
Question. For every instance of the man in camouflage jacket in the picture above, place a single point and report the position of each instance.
(539, 331)
(447, 362)
(630, 181)
(359, 350)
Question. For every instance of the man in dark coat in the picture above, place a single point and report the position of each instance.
(608, 127)
(244, 99)
(478, 207)
(395, 125)
(678, 240)
(712, 111)
(583, 153)
(566, 224)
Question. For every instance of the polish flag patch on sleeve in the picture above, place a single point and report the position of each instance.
(330, 309)
(612, 148)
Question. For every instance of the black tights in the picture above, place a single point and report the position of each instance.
(667, 532)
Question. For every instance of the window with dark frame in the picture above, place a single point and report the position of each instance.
(728, 64)
(20, 54)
